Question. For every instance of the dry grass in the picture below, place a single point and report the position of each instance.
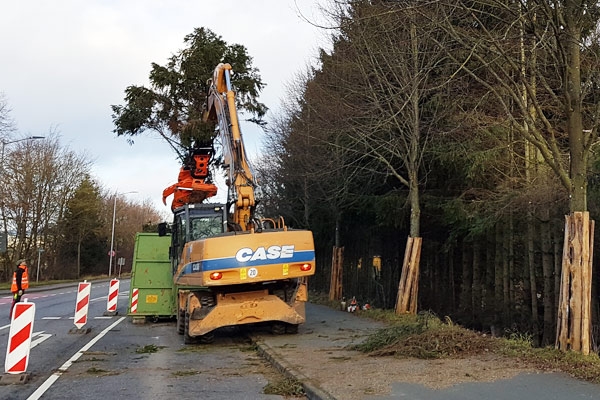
(425, 336)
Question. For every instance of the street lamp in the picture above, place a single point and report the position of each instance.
(112, 235)
(37, 274)
(4, 143)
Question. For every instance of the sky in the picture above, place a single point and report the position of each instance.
(65, 62)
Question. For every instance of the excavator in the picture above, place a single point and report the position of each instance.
(230, 267)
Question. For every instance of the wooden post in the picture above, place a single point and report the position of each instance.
(336, 281)
(573, 328)
(408, 287)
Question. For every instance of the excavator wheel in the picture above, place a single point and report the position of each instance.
(292, 329)
(187, 339)
(180, 321)
(278, 328)
(207, 338)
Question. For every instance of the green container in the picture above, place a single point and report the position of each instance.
(152, 277)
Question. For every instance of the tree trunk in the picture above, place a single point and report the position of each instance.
(499, 292)
(466, 293)
(476, 286)
(574, 310)
(409, 280)
(532, 277)
(548, 270)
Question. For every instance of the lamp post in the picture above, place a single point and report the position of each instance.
(111, 254)
(4, 143)
(37, 274)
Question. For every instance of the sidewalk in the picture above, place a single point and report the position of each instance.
(319, 357)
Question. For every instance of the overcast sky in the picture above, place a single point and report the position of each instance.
(64, 63)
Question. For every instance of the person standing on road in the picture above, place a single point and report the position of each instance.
(20, 283)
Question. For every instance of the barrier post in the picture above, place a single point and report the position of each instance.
(113, 294)
(134, 300)
(81, 307)
(19, 343)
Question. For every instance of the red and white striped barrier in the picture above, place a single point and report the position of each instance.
(83, 301)
(113, 294)
(134, 300)
(19, 338)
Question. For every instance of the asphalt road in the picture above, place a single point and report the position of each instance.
(119, 359)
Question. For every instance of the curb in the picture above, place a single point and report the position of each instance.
(313, 391)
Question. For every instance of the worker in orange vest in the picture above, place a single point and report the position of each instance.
(20, 283)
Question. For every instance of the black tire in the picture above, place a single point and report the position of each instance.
(180, 321)
(207, 338)
(187, 339)
(278, 328)
(292, 329)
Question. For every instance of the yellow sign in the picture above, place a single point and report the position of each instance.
(151, 298)
(243, 273)
(286, 269)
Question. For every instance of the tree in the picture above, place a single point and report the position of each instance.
(80, 223)
(173, 104)
(7, 125)
(539, 59)
(37, 180)
(392, 99)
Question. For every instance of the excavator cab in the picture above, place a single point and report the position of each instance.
(194, 222)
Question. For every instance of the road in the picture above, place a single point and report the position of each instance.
(118, 359)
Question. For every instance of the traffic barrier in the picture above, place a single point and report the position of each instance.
(83, 301)
(113, 294)
(19, 338)
(134, 300)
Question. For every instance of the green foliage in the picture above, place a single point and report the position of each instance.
(173, 104)
(82, 245)
(285, 387)
(148, 349)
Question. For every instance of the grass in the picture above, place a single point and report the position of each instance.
(148, 349)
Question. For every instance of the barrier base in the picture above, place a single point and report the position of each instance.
(81, 331)
(13, 379)
(138, 320)
(110, 313)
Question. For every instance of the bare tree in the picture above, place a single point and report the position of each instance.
(38, 179)
(547, 89)
(7, 124)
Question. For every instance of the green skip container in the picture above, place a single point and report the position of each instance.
(151, 293)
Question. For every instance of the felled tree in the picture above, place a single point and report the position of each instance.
(173, 103)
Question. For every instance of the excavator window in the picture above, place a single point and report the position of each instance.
(205, 226)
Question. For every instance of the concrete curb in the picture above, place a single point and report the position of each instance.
(312, 390)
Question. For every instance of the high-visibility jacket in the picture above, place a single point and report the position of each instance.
(24, 280)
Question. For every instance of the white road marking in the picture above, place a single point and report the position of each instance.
(51, 317)
(54, 377)
(42, 336)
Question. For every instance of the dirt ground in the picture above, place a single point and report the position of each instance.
(322, 354)
(353, 376)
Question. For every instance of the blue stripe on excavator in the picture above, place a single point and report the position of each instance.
(231, 263)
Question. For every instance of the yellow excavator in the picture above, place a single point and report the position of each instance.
(230, 267)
